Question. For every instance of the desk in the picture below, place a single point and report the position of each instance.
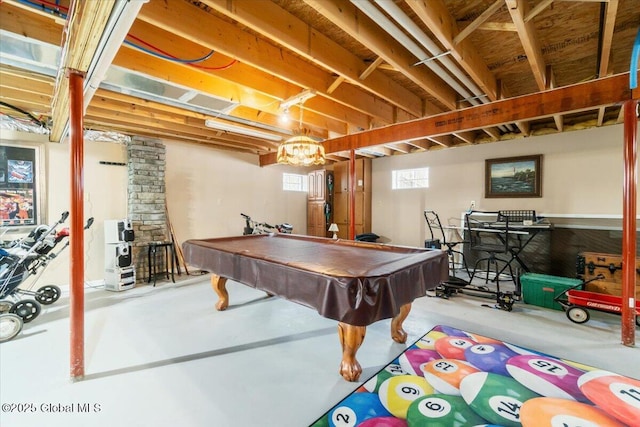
(152, 260)
(355, 283)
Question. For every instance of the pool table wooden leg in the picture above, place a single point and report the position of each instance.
(219, 285)
(397, 333)
(351, 337)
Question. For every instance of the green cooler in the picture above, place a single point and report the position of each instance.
(541, 289)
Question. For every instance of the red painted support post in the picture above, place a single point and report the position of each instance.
(629, 224)
(76, 236)
(352, 195)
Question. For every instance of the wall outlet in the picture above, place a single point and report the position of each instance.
(473, 205)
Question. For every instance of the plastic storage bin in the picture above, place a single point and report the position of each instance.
(541, 289)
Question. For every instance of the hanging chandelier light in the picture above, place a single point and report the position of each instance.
(301, 150)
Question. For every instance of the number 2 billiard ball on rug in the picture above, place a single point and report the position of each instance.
(356, 408)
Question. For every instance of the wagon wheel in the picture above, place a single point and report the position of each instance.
(5, 306)
(28, 309)
(577, 314)
(48, 294)
(10, 326)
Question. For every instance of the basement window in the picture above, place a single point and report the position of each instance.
(294, 182)
(410, 178)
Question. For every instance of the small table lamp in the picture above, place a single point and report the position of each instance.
(334, 227)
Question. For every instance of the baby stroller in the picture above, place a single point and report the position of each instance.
(20, 260)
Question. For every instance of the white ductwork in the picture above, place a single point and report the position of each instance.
(372, 12)
(433, 50)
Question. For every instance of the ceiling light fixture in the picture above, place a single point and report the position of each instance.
(241, 130)
(301, 150)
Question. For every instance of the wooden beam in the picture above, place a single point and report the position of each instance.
(601, 112)
(527, 33)
(364, 30)
(493, 133)
(468, 137)
(540, 7)
(422, 144)
(478, 21)
(498, 26)
(611, 10)
(551, 84)
(443, 140)
(371, 68)
(337, 82)
(285, 29)
(404, 148)
(580, 97)
(435, 15)
(233, 42)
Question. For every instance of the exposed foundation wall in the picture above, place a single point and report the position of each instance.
(207, 189)
(582, 175)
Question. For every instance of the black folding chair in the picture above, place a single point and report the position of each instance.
(489, 235)
(519, 241)
(439, 240)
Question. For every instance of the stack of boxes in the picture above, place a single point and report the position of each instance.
(120, 272)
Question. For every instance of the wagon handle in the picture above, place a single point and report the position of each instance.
(562, 294)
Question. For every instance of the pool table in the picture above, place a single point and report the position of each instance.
(355, 283)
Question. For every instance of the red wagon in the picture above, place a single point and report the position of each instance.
(577, 302)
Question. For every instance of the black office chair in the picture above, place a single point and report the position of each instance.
(438, 240)
(488, 234)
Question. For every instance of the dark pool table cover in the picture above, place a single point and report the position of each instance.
(352, 282)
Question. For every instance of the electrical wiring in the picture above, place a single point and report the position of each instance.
(26, 113)
(165, 55)
(153, 50)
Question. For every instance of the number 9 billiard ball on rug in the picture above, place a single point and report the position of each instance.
(397, 393)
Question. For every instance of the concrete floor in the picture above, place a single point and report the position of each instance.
(164, 356)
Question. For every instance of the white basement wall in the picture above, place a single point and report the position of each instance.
(207, 189)
(582, 174)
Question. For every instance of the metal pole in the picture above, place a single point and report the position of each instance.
(352, 195)
(76, 236)
(629, 224)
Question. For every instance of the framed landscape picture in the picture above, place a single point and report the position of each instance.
(513, 177)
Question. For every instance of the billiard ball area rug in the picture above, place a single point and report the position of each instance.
(454, 378)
